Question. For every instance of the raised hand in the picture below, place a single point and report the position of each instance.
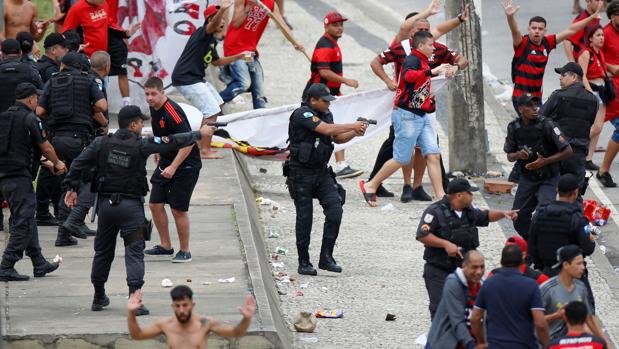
(249, 308)
(435, 7)
(466, 14)
(509, 7)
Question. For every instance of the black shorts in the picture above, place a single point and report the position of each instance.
(117, 48)
(176, 191)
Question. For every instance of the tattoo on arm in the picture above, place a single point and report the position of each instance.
(203, 321)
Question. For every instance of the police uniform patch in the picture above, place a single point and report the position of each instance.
(561, 139)
(315, 119)
(428, 218)
(557, 131)
(425, 228)
(165, 139)
(157, 140)
(307, 115)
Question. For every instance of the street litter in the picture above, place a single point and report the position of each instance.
(493, 174)
(309, 339)
(262, 170)
(595, 212)
(330, 314)
(57, 259)
(422, 339)
(226, 281)
(277, 265)
(188, 280)
(166, 283)
(280, 274)
(324, 288)
(388, 207)
(206, 283)
(603, 249)
(390, 317)
(283, 279)
(272, 235)
(281, 250)
(299, 294)
(305, 285)
(305, 322)
(274, 256)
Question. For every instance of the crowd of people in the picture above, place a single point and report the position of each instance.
(54, 129)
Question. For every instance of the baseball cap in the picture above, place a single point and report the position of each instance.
(320, 91)
(517, 240)
(571, 67)
(210, 11)
(25, 37)
(25, 90)
(460, 185)
(71, 59)
(73, 40)
(567, 183)
(131, 112)
(528, 99)
(11, 47)
(54, 39)
(334, 17)
(566, 254)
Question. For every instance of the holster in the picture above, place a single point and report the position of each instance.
(141, 234)
(147, 229)
(286, 168)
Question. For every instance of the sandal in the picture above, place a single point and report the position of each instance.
(370, 198)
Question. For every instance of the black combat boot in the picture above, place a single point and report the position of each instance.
(64, 238)
(8, 273)
(74, 222)
(326, 258)
(306, 268)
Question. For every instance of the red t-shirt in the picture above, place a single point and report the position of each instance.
(611, 54)
(578, 39)
(93, 20)
(597, 64)
(247, 36)
(530, 74)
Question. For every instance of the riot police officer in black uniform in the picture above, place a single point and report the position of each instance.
(557, 224)
(13, 72)
(55, 48)
(448, 229)
(538, 145)
(573, 109)
(70, 100)
(20, 131)
(100, 65)
(119, 160)
(311, 134)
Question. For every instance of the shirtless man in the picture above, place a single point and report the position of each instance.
(185, 329)
(21, 16)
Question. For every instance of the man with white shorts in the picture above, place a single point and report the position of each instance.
(188, 76)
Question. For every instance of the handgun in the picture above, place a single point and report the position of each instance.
(369, 121)
(217, 124)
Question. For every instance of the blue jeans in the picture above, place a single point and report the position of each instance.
(246, 76)
(412, 130)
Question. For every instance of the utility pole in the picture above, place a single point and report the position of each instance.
(467, 130)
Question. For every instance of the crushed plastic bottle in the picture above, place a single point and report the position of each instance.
(603, 249)
(281, 250)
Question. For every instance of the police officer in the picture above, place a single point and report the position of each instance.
(55, 48)
(557, 224)
(70, 99)
(13, 71)
(538, 145)
(448, 229)
(311, 133)
(99, 70)
(119, 160)
(20, 131)
(573, 109)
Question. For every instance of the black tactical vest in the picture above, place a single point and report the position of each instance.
(46, 67)
(533, 137)
(309, 149)
(575, 116)
(69, 100)
(12, 73)
(553, 227)
(15, 144)
(121, 167)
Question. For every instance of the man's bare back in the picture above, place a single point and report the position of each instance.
(20, 16)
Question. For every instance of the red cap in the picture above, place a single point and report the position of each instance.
(210, 11)
(517, 240)
(334, 17)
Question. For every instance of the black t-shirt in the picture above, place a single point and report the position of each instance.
(199, 52)
(170, 119)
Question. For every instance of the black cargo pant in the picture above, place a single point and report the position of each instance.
(68, 146)
(303, 187)
(434, 278)
(529, 195)
(385, 153)
(575, 165)
(48, 190)
(126, 217)
(24, 236)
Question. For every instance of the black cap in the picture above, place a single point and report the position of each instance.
(320, 91)
(131, 112)
(25, 36)
(11, 47)
(568, 183)
(571, 67)
(54, 39)
(72, 59)
(528, 99)
(25, 90)
(566, 254)
(73, 39)
(460, 185)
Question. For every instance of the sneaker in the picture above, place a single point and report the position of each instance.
(142, 311)
(45, 268)
(182, 257)
(420, 195)
(159, 251)
(589, 165)
(407, 194)
(606, 180)
(99, 303)
(382, 192)
(10, 274)
(348, 172)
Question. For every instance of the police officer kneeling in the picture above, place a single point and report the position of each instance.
(573, 108)
(538, 145)
(312, 133)
(19, 130)
(448, 229)
(119, 160)
(557, 224)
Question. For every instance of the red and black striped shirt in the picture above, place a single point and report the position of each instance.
(578, 39)
(529, 75)
(413, 93)
(577, 341)
(397, 53)
(327, 55)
